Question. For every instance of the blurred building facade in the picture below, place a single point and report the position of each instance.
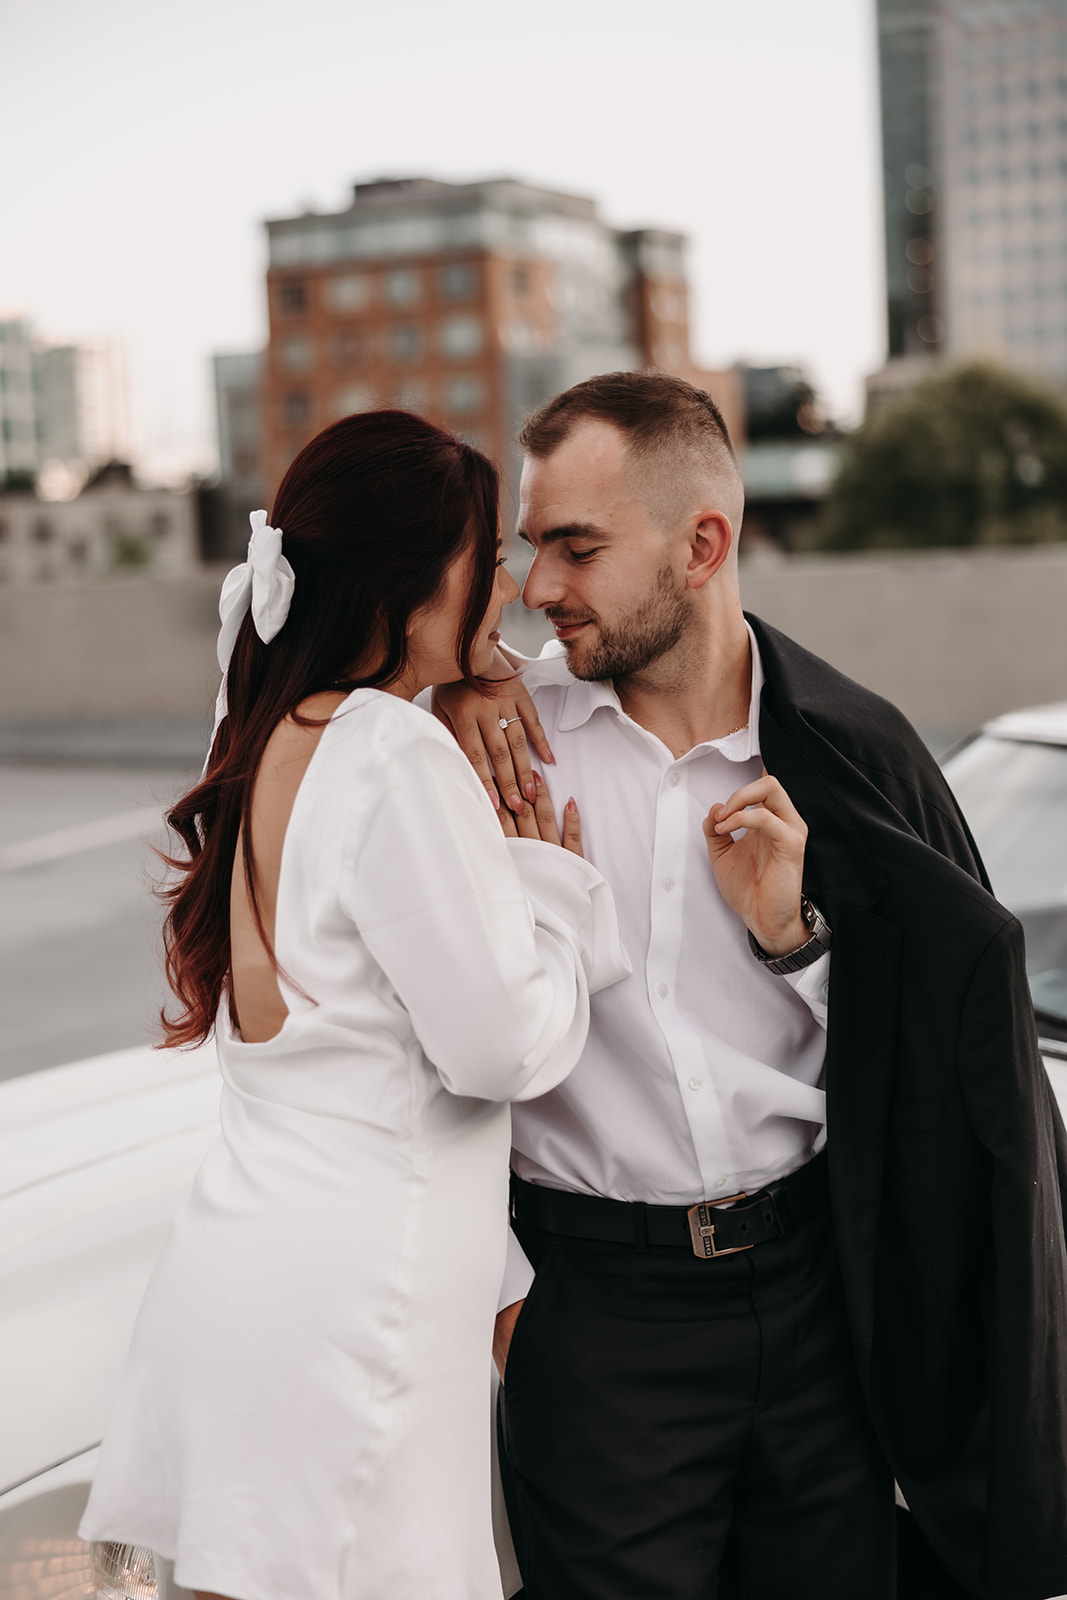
(64, 408)
(974, 145)
(19, 451)
(1003, 162)
(907, 48)
(788, 458)
(242, 479)
(469, 303)
(113, 527)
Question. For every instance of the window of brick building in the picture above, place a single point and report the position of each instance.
(459, 281)
(461, 336)
(293, 296)
(349, 349)
(351, 292)
(296, 407)
(465, 395)
(405, 342)
(353, 397)
(297, 353)
(403, 287)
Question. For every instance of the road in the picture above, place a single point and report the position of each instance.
(79, 928)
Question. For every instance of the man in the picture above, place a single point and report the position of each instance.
(793, 1226)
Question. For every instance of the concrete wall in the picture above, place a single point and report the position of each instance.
(951, 638)
(117, 647)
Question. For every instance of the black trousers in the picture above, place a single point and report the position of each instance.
(677, 1429)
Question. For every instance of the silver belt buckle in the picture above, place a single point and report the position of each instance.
(702, 1228)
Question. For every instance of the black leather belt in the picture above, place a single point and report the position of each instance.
(706, 1228)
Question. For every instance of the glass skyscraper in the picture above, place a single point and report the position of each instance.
(974, 120)
(907, 46)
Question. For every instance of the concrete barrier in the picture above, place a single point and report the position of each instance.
(951, 637)
(117, 647)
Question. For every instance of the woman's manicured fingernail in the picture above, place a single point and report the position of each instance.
(530, 791)
(571, 805)
(515, 801)
(495, 798)
(549, 756)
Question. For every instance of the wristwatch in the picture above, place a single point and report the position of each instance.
(796, 960)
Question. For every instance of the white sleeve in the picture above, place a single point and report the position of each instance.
(497, 989)
(812, 984)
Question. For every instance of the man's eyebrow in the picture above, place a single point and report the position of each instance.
(569, 530)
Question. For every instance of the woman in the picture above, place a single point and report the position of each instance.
(304, 1411)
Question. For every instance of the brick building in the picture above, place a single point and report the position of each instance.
(469, 303)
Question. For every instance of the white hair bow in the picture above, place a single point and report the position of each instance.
(265, 583)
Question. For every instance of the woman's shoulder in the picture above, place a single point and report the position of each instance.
(372, 716)
(382, 734)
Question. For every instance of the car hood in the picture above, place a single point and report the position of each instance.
(95, 1159)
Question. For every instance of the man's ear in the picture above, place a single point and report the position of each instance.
(710, 543)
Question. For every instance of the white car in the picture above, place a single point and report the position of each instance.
(1011, 781)
(96, 1157)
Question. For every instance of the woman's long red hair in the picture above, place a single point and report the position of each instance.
(373, 512)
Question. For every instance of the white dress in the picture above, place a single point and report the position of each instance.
(304, 1413)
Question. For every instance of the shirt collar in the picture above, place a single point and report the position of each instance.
(581, 699)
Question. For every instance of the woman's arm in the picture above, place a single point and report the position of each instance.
(498, 992)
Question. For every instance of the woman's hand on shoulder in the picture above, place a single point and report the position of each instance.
(539, 821)
(495, 733)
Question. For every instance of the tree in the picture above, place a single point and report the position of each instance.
(974, 456)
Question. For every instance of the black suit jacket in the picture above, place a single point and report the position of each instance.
(947, 1154)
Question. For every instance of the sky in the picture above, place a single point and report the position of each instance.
(146, 142)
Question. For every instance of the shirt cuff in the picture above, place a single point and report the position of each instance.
(569, 896)
(812, 984)
(518, 1274)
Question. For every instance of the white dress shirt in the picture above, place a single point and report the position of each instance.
(702, 1072)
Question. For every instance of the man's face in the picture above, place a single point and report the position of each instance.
(606, 574)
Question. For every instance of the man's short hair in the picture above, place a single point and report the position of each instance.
(672, 428)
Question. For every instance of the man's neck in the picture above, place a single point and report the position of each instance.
(700, 691)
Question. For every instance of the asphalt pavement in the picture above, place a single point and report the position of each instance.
(79, 927)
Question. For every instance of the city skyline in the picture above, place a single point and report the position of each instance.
(136, 211)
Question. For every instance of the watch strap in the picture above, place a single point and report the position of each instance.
(811, 950)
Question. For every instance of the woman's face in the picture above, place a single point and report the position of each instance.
(434, 631)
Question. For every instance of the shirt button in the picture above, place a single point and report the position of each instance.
(697, 1083)
(720, 1182)
(668, 883)
(675, 779)
(661, 990)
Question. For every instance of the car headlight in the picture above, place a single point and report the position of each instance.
(42, 1558)
(68, 1569)
(124, 1572)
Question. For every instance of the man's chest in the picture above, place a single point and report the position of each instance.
(642, 811)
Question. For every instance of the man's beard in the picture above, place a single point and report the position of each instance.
(637, 640)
